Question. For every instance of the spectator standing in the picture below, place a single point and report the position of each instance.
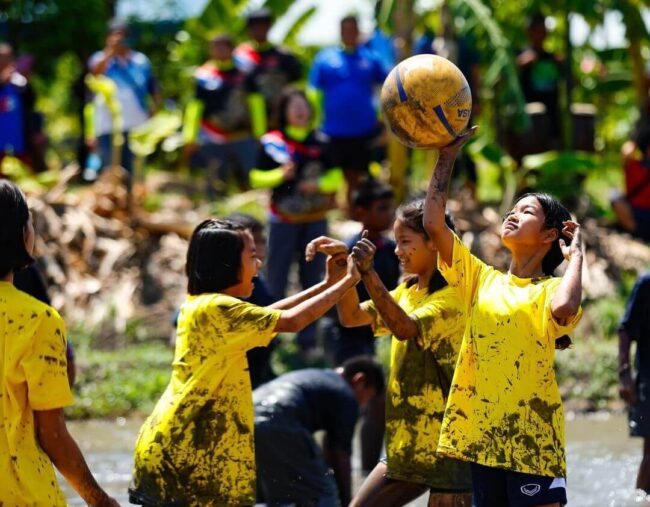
(635, 390)
(342, 81)
(16, 109)
(135, 92)
(271, 68)
(295, 163)
(633, 208)
(291, 467)
(540, 73)
(224, 119)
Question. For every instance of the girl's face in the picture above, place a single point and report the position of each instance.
(298, 112)
(250, 265)
(415, 252)
(524, 225)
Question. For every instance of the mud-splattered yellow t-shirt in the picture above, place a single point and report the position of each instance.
(34, 376)
(418, 385)
(197, 445)
(504, 407)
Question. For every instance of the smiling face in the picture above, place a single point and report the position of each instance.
(415, 252)
(298, 111)
(523, 226)
(250, 265)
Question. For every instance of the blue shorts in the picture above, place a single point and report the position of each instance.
(496, 487)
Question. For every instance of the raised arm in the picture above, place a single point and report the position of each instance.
(61, 448)
(306, 312)
(566, 301)
(436, 200)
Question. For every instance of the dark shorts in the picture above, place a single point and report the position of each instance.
(352, 153)
(642, 219)
(291, 467)
(639, 413)
(495, 487)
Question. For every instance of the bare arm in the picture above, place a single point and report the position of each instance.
(436, 199)
(61, 448)
(395, 318)
(627, 388)
(566, 301)
(303, 314)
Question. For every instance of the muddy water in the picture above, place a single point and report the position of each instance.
(602, 460)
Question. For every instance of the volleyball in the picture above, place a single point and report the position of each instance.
(426, 101)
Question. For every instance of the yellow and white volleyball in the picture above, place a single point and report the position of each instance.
(426, 101)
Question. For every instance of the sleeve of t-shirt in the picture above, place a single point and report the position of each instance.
(636, 308)
(251, 325)
(316, 74)
(433, 320)
(464, 272)
(554, 328)
(379, 327)
(45, 366)
(341, 423)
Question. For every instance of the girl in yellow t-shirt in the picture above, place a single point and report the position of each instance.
(196, 448)
(33, 380)
(504, 413)
(426, 320)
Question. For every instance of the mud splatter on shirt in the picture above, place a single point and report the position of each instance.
(33, 374)
(418, 385)
(504, 406)
(197, 445)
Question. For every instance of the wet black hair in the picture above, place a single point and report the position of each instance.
(370, 191)
(283, 104)
(15, 217)
(367, 365)
(554, 214)
(412, 215)
(248, 221)
(214, 256)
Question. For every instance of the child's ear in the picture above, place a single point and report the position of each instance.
(551, 234)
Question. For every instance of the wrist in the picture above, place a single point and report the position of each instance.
(366, 273)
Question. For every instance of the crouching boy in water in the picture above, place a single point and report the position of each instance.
(196, 448)
(504, 414)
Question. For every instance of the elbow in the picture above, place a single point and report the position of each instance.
(566, 309)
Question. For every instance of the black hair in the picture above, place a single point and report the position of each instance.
(283, 104)
(642, 137)
(371, 191)
(554, 214)
(262, 14)
(214, 256)
(411, 215)
(15, 217)
(350, 18)
(248, 221)
(535, 20)
(223, 37)
(367, 365)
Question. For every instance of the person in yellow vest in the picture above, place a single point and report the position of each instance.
(196, 448)
(504, 414)
(34, 384)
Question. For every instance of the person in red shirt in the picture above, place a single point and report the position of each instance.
(633, 209)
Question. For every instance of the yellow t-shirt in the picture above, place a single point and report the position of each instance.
(418, 385)
(504, 407)
(34, 375)
(197, 445)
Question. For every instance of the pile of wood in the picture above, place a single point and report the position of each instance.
(108, 262)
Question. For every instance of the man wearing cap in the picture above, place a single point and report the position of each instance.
(270, 67)
(135, 92)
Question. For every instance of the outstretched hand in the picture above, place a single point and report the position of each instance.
(363, 253)
(324, 245)
(572, 231)
(463, 138)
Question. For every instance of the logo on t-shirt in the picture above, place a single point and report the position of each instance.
(530, 489)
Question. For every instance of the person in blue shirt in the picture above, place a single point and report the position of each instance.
(635, 390)
(342, 81)
(16, 109)
(136, 92)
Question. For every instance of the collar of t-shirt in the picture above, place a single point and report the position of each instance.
(297, 133)
(224, 64)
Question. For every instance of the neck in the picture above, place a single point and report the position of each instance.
(297, 133)
(234, 291)
(223, 64)
(425, 277)
(527, 264)
(351, 48)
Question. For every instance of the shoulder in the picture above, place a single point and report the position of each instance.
(36, 309)
(642, 285)
(327, 54)
(139, 58)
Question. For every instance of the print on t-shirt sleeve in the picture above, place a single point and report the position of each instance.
(464, 272)
(46, 367)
